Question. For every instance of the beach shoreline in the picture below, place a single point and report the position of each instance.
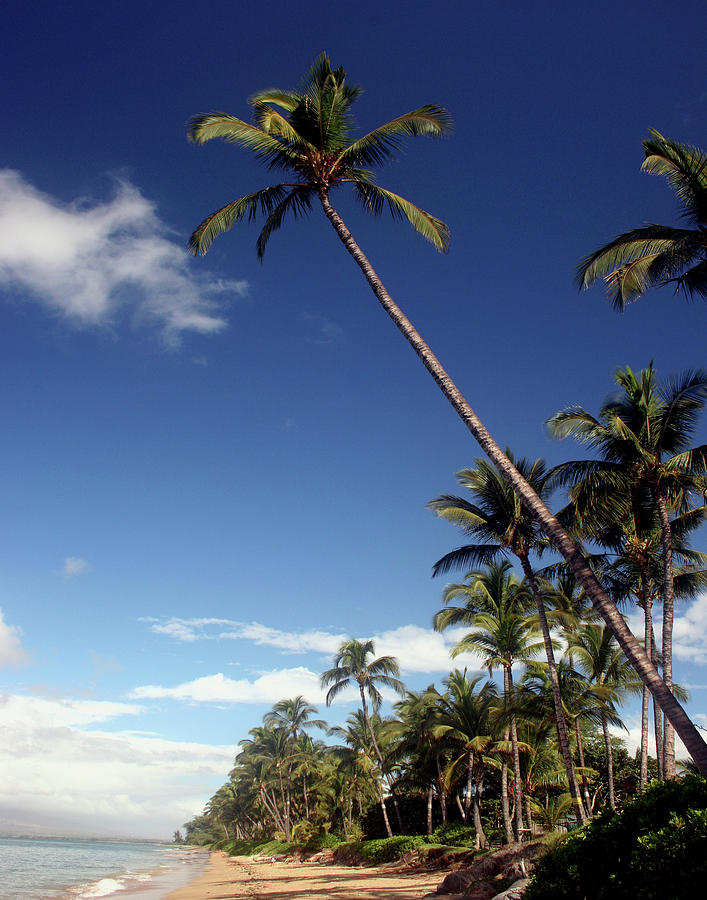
(242, 878)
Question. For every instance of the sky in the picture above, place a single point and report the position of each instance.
(215, 470)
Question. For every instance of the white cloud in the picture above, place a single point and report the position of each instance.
(689, 629)
(423, 650)
(74, 565)
(93, 262)
(268, 687)
(58, 776)
(11, 652)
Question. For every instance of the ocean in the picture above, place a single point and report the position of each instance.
(44, 868)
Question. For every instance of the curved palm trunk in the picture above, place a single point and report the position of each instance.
(381, 798)
(667, 644)
(562, 736)
(552, 528)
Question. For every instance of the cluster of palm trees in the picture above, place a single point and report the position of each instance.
(632, 509)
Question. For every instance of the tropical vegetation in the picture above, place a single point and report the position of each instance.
(308, 134)
(474, 761)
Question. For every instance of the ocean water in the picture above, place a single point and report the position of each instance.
(44, 868)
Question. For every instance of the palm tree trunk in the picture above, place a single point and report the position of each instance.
(643, 778)
(481, 839)
(462, 811)
(430, 798)
(647, 604)
(580, 757)
(517, 783)
(380, 760)
(562, 736)
(690, 736)
(657, 719)
(609, 760)
(508, 830)
(667, 643)
(442, 790)
(469, 785)
(381, 800)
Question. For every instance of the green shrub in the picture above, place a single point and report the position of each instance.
(321, 841)
(385, 850)
(377, 851)
(654, 849)
(453, 834)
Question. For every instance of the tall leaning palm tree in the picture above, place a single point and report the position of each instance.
(659, 254)
(353, 666)
(307, 133)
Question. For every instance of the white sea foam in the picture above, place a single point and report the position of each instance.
(103, 888)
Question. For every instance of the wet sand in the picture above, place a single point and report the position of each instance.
(240, 878)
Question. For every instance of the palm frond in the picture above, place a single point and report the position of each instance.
(465, 557)
(264, 200)
(380, 145)
(296, 202)
(209, 126)
(375, 198)
(684, 166)
(286, 100)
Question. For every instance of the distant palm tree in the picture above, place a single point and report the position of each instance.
(466, 722)
(500, 523)
(353, 665)
(310, 139)
(600, 658)
(659, 254)
(496, 608)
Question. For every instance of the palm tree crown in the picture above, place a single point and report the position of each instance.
(308, 134)
(659, 254)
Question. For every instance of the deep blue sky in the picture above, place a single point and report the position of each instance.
(271, 463)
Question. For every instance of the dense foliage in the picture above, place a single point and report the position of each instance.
(653, 848)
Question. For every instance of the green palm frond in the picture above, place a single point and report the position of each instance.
(264, 200)
(383, 142)
(684, 166)
(658, 254)
(209, 126)
(275, 124)
(297, 202)
(470, 555)
(375, 198)
(286, 100)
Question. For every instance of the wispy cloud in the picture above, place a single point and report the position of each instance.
(417, 649)
(97, 263)
(324, 331)
(74, 565)
(11, 651)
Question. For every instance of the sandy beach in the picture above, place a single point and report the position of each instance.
(240, 878)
